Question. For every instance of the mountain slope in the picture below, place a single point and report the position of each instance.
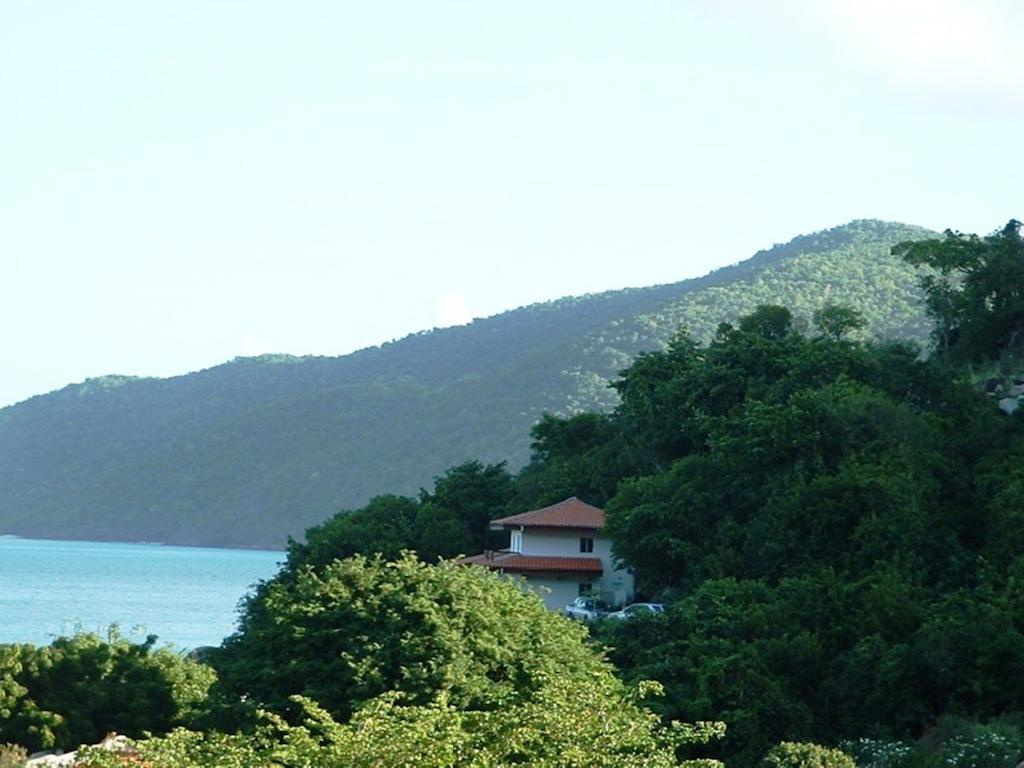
(246, 453)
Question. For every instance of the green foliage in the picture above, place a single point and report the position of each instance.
(791, 754)
(835, 523)
(247, 453)
(742, 648)
(567, 726)
(974, 291)
(425, 665)
(735, 443)
(965, 744)
(361, 627)
(877, 753)
(950, 743)
(849, 264)
(767, 321)
(836, 321)
(576, 456)
(398, 662)
(453, 520)
(79, 688)
(835, 520)
(384, 526)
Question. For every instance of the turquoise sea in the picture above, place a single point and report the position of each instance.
(185, 595)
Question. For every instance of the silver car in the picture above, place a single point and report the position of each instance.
(587, 609)
(638, 609)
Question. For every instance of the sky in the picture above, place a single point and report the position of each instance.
(186, 182)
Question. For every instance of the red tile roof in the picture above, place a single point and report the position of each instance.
(514, 562)
(571, 513)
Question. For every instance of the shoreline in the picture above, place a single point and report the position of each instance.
(132, 542)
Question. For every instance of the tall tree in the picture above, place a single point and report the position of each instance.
(836, 321)
(385, 643)
(974, 291)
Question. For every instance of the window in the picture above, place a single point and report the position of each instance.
(585, 588)
(586, 545)
(516, 542)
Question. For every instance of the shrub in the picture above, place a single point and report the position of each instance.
(77, 689)
(876, 753)
(792, 754)
(357, 628)
(564, 728)
(366, 662)
(985, 748)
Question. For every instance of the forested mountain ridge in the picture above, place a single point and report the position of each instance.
(248, 452)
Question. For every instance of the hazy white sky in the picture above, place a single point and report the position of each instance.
(183, 182)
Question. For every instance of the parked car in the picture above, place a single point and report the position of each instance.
(638, 609)
(587, 609)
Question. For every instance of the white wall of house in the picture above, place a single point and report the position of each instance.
(557, 591)
(554, 543)
(615, 585)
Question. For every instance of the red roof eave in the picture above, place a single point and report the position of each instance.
(514, 562)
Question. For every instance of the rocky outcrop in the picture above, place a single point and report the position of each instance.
(1008, 393)
(112, 743)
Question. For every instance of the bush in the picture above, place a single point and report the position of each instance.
(79, 688)
(876, 753)
(957, 742)
(562, 729)
(357, 628)
(986, 748)
(791, 754)
(404, 663)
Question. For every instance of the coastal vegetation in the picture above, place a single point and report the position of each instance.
(374, 662)
(78, 688)
(835, 522)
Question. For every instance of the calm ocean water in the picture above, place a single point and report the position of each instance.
(186, 595)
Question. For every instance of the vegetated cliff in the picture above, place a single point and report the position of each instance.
(249, 452)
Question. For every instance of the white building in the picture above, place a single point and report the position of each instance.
(559, 550)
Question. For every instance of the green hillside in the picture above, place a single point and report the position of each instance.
(246, 453)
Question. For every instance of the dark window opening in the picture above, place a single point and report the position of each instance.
(586, 545)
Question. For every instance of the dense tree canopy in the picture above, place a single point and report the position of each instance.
(974, 291)
(837, 321)
(565, 726)
(826, 515)
(835, 524)
(358, 628)
(251, 451)
(774, 452)
(452, 520)
(406, 647)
